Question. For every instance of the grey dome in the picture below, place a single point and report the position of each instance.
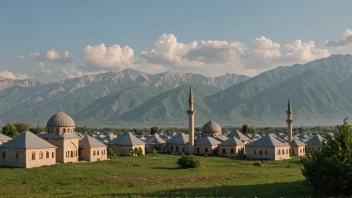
(211, 127)
(60, 119)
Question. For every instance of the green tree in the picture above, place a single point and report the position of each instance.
(10, 130)
(244, 128)
(21, 127)
(154, 130)
(188, 161)
(112, 153)
(330, 170)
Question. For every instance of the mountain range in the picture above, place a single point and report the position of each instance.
(319, 92)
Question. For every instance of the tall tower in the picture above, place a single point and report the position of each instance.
(289, 121)
(190, 122)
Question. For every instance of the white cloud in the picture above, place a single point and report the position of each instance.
(19, 57)
(113, 57)
(52, 56)
(8, 74)
(344, 41)
(46, 75)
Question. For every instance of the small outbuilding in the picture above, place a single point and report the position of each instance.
(298, 148)
(315, 143)
(91, 149)
(178, 143)
(127, 142)
(206, 145)
(231, 147)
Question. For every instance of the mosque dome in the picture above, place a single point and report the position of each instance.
(60, 119)
(211, 127)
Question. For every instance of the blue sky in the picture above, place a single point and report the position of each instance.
(37, 26)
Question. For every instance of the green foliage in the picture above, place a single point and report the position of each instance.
(154, 130)
(21, 127)
(329, 170)
(132, 152)
(10, 130)
(188, 161)
(154, 152)
(257, 163)
(244, 128)
(112, 153)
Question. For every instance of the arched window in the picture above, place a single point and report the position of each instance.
(16, 154)
(47, 154)
(33, 155)
(206, 150)
(255, 152)
(232, 150)
(300, 150)
(223, 151)
(198, 150)
(266, 152)
(278, 152)
(41, 155)
(172, 149)
(3, 154)
(52, 154)
(98, 152)
(283, 151)
(64, 130)
(71, 153)
(176, 149)
(286, 151)
(260, 152)
(93, 153)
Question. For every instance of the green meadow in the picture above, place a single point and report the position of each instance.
(157, 176)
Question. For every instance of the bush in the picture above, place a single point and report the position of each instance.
(154, 152)
(188, 161)
(257, 163)
(112, 154)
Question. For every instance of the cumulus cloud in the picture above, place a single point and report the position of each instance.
(19, 57)
(47, 75)
(113, 57)
(225, 55)
(8, 74)
(344, 41)
(52, 56)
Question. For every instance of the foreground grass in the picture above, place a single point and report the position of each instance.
(155, 177)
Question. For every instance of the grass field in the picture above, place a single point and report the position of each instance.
(157, 176)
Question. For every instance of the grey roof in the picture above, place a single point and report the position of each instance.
(179, 138)
(211, 127)
(316, 140)
(208, 141)
(296, 142)
(60, 119)
(90, 142)
(239, 136)
(58, 136)
(127, 139)
(4, 137)
(221, 138)
(155, 139)
(27, 140)
(232, 141)
(269, 140)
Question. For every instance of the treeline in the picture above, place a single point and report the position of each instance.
(14, 129)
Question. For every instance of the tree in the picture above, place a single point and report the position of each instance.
(329, 170)
(21, 127)
(244, 128)
(10, 130)
(188, 161)
(112, 154)
(154, 130)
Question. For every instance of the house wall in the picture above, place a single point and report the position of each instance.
(93, 154)
(177, 148)
(48, 157)
(272, 153)
(202, 149)
(298, 150)
(310, 148)
(124, 150)
(8, 157)
(67, 150)
(231, 150)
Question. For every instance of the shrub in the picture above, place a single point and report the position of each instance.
(257, 163)
(154, 152)
(132, 152)
(112, 153)
(140, 151)
(188, 161)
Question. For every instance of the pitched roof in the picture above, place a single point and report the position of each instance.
(221, 138)
(27, 140)
(90, 142)
(4, 137)
(269, 140)
(232, 141)
(155, 139)
(296, 142)
(239, 136)
(58, 136)
(127, 139)
(316, 140)
(208, 141)
(179, 138)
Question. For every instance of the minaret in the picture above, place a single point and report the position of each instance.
(190, 122)
(289, 121)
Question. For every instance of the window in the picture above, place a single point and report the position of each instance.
(52, 154)
(286, 151)
(183, 150)
(47, 154)
(266, 152)
(278, 152)
(97, 152)
(260, 152)
(176, 149)
(232, 150)
(33, 156)
(41, 155)
(71, 153)
(206, 150)
(93, 153)
(198, 150)
(3, 155)
(172, 149)
(255, 152)
(223, 151)
(283, 151)
(16, 154)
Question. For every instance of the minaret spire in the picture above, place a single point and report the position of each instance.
(60, 108)
(190, 122)
(289, 121)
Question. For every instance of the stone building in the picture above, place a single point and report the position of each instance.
(315, 143)
(127, 142)
(268, 147)
(4, 138)
(240, 136)
(178, 143)
(61, 133)
(232, 147)
(298, 148)
(27, 151)
(91, 149)
(155, 142)
(206, 145)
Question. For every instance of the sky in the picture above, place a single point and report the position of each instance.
(55, 40)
